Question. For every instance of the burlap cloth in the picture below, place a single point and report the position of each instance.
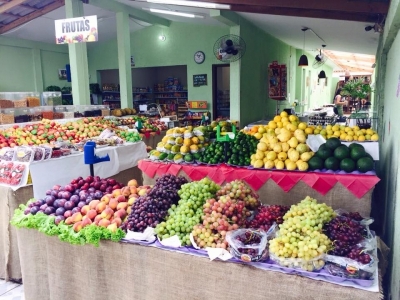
(271, 193)
(10, 268)
(55, 270)
(152, 141)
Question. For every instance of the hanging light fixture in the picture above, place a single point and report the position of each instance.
(322, 74)
(303, 61)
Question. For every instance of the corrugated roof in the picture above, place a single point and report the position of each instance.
(17, 12)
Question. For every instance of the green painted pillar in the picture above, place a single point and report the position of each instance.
(37, 70)
(235, 84)
(78, 59)
(124, 59)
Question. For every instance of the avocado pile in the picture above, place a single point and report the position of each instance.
(334, 156)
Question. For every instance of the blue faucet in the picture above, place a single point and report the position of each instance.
(90, 158)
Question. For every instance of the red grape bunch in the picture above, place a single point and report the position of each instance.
(151, 209)
(219, 217)
(354, 216)
(249, 238)
(358, 254)
(267, 216)
(345, 233)
(240, 191)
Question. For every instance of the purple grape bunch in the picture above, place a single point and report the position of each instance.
(345, 233)
(358, 254)
(151, 209)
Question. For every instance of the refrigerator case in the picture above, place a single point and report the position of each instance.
(277, 81)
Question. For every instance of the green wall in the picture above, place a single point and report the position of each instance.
(16, 73)
(182, 41)
(387, 103)
(51, 62)
(309, 91)
(261, 49)
(22, 70)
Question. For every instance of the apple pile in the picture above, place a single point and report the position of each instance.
(111, 210)
(47, 131)
(7, 141)
(64, 201)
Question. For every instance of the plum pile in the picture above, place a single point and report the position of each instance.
(150, 210)
(64, 201)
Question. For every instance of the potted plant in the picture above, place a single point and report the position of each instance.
(356, 89)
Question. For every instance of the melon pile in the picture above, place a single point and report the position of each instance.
(182, 144)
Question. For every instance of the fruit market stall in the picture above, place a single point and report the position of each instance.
(150, 228)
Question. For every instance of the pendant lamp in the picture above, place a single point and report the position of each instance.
(322, 74)
(303, 61)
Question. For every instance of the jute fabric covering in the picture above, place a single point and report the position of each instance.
(152, 141)
(54, 270)
(271, 193)
(10, 268)
(126, 175)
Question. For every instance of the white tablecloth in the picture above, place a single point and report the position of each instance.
(62, 170)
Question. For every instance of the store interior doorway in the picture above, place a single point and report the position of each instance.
(221, 91)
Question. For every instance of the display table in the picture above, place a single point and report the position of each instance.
(56, 270)
(46, 174)
(123, 167)
(351, 192)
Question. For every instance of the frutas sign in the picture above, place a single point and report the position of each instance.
(76, 30)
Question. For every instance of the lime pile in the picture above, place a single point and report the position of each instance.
(333, 155)
(241, 149)
(214, 154)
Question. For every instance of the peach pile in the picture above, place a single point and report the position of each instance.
(111, 210)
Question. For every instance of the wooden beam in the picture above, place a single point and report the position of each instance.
(307, 13)
(11, 4)
(377, 7)
(31, 16)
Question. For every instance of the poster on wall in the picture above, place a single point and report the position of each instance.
(277, 81)
(76, 30)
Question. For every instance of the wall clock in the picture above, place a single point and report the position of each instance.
(199, 57)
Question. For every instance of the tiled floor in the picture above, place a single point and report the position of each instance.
(11, 291)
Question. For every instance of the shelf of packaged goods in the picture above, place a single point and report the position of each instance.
(171, 97)
(168, 92)
(111, 100)
(142, 92)
(110, 92)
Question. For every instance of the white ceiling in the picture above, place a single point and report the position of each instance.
(42, 29)
(345, 36)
